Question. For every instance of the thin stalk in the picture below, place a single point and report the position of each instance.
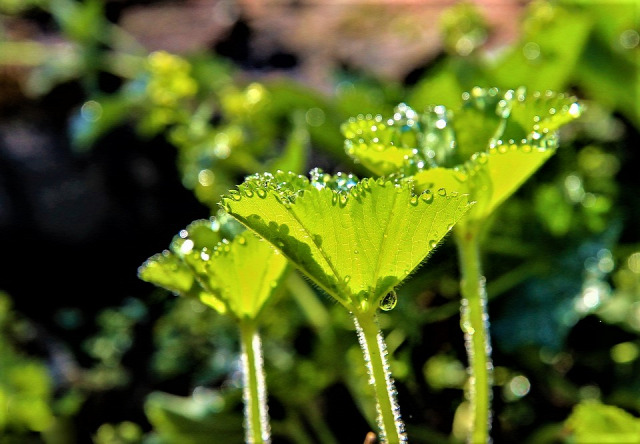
(254, 389)
(474, 323)
(375, 356)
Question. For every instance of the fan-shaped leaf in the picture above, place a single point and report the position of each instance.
(166, 270)
(380, 146)
(236, 276)
(535, 116)
(357, 244)
(489, 178)
(487, 147)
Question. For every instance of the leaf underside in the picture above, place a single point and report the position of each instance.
(356, 245)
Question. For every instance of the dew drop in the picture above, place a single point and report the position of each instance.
(261, 193)
(480, 157)
(347, 278)
(186, 246)
(389, 301)
(427, 196)
(235, 195)
(414, 200)
(184, 234)
(575, 110)
(432, 244)
(442, 192)
(248, 192)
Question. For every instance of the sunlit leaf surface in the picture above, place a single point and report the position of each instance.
(486, 147)
(236, 276)
(593, 422)
(356, 240)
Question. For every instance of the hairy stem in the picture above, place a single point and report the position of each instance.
(474, 323)
(256, 418)
(375, 356)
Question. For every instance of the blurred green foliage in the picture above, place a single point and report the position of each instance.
(563, 256)
(26, 391)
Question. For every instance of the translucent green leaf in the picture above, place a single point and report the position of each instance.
(535, 116)
(489, 178)
(236, 276)
(492, 143)
(380, 146)
(508, 167)
(166, 270)
(242, 273)
(591, 422)
(357, 244)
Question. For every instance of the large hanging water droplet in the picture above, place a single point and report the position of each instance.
(389, 301)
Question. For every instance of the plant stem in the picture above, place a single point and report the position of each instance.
(474, 323)
(375, 356)
(256, 418)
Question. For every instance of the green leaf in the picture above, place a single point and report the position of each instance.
(358, 244)
(166, 270)
(294, 155)
(592, 422)
(195, 419)
(381, 146)
(536, 116)
(545, 58)
(487, 147)
(237, 276)
(489, 178)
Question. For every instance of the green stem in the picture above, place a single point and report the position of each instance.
(256, 418)
(375, 356)
(474, 323)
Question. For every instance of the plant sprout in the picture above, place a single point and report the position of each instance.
(236, 273)
(486, 148)
(357, 241)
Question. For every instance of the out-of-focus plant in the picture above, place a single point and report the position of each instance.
(26, 391)
(236, 274)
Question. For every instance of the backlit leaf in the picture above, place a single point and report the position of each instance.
(592, 422)
(357, 244)
(236, 276)
(379, 145)
(487, 147)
